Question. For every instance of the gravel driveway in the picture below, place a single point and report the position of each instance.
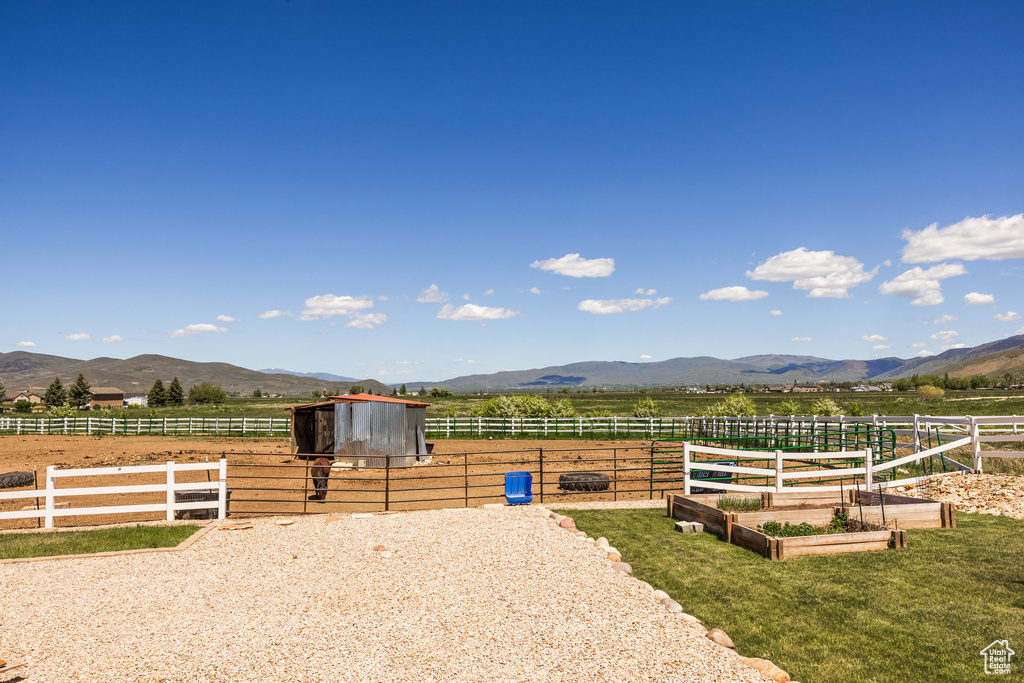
(459, 595)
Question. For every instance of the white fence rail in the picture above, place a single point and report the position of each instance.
(51, 493)
(777, 473)
(165, 426)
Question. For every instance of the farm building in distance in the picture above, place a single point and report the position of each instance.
(360, 425)
(106, 397)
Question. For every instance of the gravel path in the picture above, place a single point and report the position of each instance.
(459, 595)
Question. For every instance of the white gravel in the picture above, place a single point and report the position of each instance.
(459, 595)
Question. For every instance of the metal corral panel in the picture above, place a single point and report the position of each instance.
(415, 430)
(372, 428)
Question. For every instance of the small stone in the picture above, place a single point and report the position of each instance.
(689, 618)
(614, 555)
(719, 636)
(622, 567)
(335, 519)
(647, 586)
(567, 523)
(672, 606)
(602, 541)
(581, 534)
(379, 548)
(285, 522)
(768, 669)
(660, 595)
(553, 515)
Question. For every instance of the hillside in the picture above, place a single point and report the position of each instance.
(34, 371)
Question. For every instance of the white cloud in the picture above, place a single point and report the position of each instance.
(1020, 331)
(947, 347)
(606, 306)
(113, 339)
(466, 360)
(489, 292)
(366, 321)
(945, 319)
(574, 265)
(432, 295)
(992, 239)
(887, 262)
(533, 290)
(645, 292)
(882, 346)
(197, 328)
(824, 273)
(918, 345)
(329, 305)
(945, 335)
(978, 299)
(800, 339)
(924, 353)
(26, 345)
(271, 314)
(874, 338)
(645, 356)
(465, 297)
(775, 312)
(226, 319)
(922, 284)
(474, 312)
(734, 293)
(77, 336)
(1009, 316)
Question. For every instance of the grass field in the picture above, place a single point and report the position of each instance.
(92, 541)
(620, 403)
(919, 615)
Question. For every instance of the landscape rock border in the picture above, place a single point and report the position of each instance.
(715, 635)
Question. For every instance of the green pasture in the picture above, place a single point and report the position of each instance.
(916, 615)
(52, 543)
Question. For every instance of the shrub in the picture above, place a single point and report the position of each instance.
(63, 411)
(525, 405)
(450, 412)
(646, 407)
(22, 407)
(927, 392)
(734, 405)
(563, 408)
(206, 393)
(440, 393)
(788, 407)
(855, 410)
(826, 407)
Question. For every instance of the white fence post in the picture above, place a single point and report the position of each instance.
(51, 484)
(778, 471)
(976, 444)
(222, 493)
(869, 474)
(917, 433)
(170, 490)
(686, 468)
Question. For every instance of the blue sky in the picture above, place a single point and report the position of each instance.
(425, 190)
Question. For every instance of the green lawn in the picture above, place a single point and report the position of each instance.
(92, 541)
(916, 615)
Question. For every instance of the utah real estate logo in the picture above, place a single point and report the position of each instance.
(997, 657)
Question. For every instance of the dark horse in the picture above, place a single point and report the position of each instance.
(321, 470)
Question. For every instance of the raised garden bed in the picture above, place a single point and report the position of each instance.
(817, 509)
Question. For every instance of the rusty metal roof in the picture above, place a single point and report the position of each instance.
(365, 398)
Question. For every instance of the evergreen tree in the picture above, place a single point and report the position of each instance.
(175, 394)
(256, 393)
(79, 394)
(55, 395)
(402, 390)
(3, 391)
(157, 396)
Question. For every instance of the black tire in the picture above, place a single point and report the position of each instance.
(14, 480)
(583, 481)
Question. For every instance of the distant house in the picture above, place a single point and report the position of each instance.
(807, 388)
(141, 400)
(28, 396)
(106, 397)
(777, 389)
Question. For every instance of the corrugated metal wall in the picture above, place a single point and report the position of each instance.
(375, 428)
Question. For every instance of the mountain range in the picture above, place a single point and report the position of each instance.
(34, 371)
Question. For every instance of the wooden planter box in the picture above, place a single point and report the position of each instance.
(739, 527)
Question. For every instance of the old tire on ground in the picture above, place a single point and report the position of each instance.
(13, 480)
(583, 481)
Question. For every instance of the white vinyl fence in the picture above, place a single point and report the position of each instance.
(165, 426)
(51, 493)
(779, 476)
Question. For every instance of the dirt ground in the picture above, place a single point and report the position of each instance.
(265, 479)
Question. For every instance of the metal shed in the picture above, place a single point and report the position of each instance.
(360, 425)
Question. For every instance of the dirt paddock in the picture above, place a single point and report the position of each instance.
(264, 478)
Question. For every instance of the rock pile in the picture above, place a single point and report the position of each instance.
(989, 494)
